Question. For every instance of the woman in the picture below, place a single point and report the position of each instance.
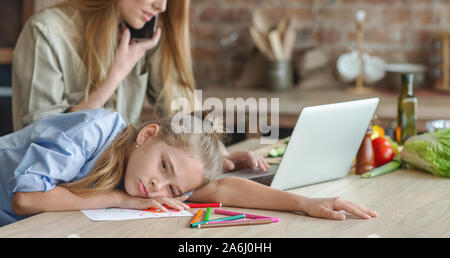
(70, 58)
(78, 55)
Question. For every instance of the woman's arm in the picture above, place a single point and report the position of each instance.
(127, 56)
(37, 79)
(240, 192)
(97, 98)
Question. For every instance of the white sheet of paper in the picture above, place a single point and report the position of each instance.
(115, 214)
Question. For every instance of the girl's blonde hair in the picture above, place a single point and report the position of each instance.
(100, 32)
(109, 171)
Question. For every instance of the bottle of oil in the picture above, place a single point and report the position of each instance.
(406, 110)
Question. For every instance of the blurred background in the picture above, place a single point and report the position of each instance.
(395, 30)
(227, 56)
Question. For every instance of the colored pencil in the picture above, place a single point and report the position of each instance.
(236, 223)
(197, 216)
(204, 205)
(247, 215)
(239, 220)
(208, 212)
(242, 216)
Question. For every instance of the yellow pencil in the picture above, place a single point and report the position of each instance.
(197, 216)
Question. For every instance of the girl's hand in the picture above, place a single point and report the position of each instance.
(329, 208)
(138, 203)
(129, 53)
(243, 160)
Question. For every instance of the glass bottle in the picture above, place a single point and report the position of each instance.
(365, 159)
(406, 110)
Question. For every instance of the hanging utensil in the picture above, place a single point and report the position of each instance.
(276, 45)
(261, 22)
(262, 43)
(289, 42)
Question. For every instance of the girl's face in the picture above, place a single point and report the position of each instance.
(138, 12)
(156, 169)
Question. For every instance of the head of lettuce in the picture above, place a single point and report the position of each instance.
(429, 152)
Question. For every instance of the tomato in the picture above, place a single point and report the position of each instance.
(383, 151)
(394, 144)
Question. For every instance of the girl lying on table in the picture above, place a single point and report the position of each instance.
(91, 159)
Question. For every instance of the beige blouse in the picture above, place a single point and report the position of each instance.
(49, 76)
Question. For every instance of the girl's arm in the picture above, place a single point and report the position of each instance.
(61, 199)
(240, 192)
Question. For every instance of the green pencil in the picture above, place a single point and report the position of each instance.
(241, 216)
(208, 211)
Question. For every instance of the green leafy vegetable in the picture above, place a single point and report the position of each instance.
(429, 152)
(287, 139)
(277, 152)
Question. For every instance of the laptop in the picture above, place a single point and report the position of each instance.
(322, 146)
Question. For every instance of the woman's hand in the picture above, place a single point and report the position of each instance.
(127, 56)
(138, 203)
(130, 51)
(329, 208)
(243, 160)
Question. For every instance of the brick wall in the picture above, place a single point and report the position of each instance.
(396, 30)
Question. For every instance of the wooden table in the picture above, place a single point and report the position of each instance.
(410, 204)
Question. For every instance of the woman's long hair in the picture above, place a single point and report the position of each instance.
(100, 30)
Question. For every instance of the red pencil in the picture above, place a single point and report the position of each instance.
(199, 205)
(204, 205)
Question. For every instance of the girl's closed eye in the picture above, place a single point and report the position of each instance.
(164, 167)
(165, 170)
(171, 191)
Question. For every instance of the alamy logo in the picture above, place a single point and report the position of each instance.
(249, 115)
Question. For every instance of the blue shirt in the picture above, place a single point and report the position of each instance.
(57, 149)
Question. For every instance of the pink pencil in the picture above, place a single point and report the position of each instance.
(236, 223)
(239, 220)
(247, 215)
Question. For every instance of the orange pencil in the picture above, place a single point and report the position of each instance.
(197, 216)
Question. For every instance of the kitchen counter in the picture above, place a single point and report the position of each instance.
(432, 105)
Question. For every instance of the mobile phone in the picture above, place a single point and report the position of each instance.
(146, 32)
